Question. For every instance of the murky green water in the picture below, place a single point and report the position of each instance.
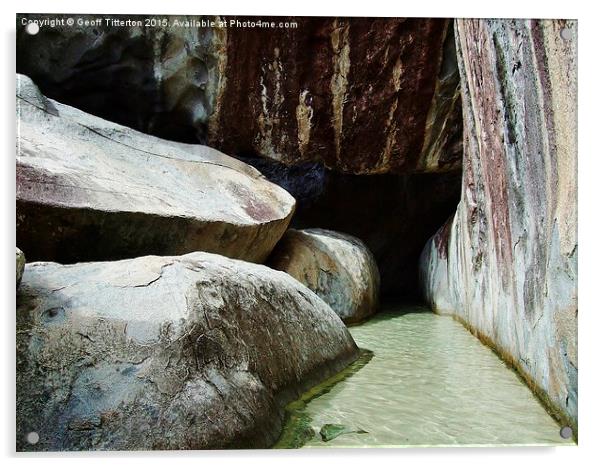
(424, 381)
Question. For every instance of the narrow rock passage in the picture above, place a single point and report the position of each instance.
(428, 382)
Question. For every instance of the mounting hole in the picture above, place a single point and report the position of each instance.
(566, 432)
(33, 437)
(32, 29)
(566, 33)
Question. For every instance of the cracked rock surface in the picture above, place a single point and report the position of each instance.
(190, 352)
(339, 268)
(89, 189)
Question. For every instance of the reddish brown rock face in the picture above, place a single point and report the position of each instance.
(361, 95)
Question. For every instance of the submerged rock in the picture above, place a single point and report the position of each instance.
(360, 95)
(88, 189)
(190, 352)
(20, 266)
(332, 431)
(337, 267)
(506, 263)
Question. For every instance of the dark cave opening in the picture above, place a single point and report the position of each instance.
(394, 215)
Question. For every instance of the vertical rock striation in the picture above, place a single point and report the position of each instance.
(360, 95)
(506, 263)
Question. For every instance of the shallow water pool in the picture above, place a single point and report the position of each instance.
(422, 380)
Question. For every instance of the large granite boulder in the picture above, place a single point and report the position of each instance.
(88, 189)
(20, 265)
(337, 267)
(506, 263)
(360, 95)
(190, 352)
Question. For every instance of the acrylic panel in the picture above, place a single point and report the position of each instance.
(295, 232)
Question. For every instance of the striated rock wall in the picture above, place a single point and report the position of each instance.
(506, 263)
(360, 95)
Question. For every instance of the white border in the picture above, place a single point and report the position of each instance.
(590, 174)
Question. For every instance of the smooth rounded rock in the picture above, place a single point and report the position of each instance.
(89, 189)
(338, 268)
